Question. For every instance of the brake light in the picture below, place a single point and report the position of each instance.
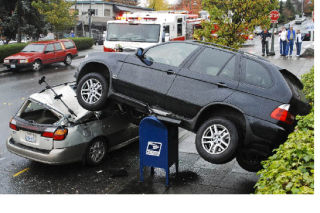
(60, 134)
(12, 124)
(282, 114)
(57, 135)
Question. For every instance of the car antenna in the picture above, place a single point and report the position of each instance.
(56, 96)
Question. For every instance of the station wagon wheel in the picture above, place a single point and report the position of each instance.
(36, 66)
(68, 60)
(92, 91)
(96, 152)
(217, 140)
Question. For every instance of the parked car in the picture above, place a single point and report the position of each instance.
(238, 104)
(37, 54)
(43, 130)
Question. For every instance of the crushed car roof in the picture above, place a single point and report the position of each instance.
(47, 97)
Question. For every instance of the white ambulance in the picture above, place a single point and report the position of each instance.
(144, 29)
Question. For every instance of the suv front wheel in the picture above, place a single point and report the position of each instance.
(92, 91)
(217, 140)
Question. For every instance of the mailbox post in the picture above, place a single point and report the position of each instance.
(158, 145)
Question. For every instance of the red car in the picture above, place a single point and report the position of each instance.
(37, 54)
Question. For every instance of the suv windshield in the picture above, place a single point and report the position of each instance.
(33, 48)
(134, 32)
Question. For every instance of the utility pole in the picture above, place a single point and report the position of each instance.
(76, 26)
(302, 1)
(90, 14)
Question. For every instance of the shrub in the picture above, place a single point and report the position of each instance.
(291, 169)
(83, 43)
(9, 49)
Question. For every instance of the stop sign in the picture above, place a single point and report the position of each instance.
(274, 16)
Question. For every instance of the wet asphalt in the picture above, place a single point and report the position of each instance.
(119, 174)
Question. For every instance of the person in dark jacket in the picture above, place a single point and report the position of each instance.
(264, 41)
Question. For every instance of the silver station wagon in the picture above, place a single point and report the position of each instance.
(44, 130)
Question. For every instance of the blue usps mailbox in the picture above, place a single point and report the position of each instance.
(158, 145)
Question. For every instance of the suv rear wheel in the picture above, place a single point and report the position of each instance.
(217, 140)
(249, 160)
(92, 91)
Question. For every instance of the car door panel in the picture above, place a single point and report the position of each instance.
(146, 83)
(193, 90)
(49, 57)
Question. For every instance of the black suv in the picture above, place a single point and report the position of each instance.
(239, 105)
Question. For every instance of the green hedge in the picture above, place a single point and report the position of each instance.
(81, 43)
(291, 169)
(9, 49)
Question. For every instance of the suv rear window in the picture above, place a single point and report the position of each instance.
(255, 74)
(68, 44)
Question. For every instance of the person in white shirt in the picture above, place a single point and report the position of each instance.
(298, 42)
(283, 41)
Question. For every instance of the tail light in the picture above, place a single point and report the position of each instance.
(282, 114)
(13, 124)
(55, 134)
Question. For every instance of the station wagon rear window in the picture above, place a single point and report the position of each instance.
(68, 44)
(34, 112)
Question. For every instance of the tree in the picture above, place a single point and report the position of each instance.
(57, 13)
(193, 6)
(158, 4)
(232, 20)
(289, 11)
(19, 17)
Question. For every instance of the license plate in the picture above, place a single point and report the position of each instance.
(30, 137)
(12, 66)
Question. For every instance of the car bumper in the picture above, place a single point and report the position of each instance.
(18, 66)
(54, 157)
(258, 130)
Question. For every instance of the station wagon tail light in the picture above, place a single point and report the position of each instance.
(57, 135)
(282, 114)
(13, 124)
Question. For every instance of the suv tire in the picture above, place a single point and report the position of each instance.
(92, 91)
(249, 160)
(217, 140)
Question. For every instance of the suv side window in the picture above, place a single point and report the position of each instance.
(210, 62)
(50, 48)
(255, 74)
(229, 70)
(172, 54)
(58, 46)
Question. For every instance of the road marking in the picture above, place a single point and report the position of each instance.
(19, 173)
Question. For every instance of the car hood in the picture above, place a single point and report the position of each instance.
(68, 96)
(23, 55)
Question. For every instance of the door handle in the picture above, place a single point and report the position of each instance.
(170, 72)
(222, 84)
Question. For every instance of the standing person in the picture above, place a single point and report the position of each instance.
(72, 34)
(264, 41)
(298, 42)
(283, 41)
(290, 38)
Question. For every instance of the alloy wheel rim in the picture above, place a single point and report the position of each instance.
(36, 66)
(216, 139)
(97, 151)
(91, 91)
(68, 60)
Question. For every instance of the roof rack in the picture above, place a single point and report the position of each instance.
(232, 49)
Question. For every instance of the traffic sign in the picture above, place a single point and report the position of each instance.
(274, 16)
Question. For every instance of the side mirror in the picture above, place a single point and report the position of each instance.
(139, 52)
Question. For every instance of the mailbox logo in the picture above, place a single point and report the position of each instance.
(154, 148)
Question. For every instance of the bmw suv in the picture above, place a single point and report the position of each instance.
(239, 105)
